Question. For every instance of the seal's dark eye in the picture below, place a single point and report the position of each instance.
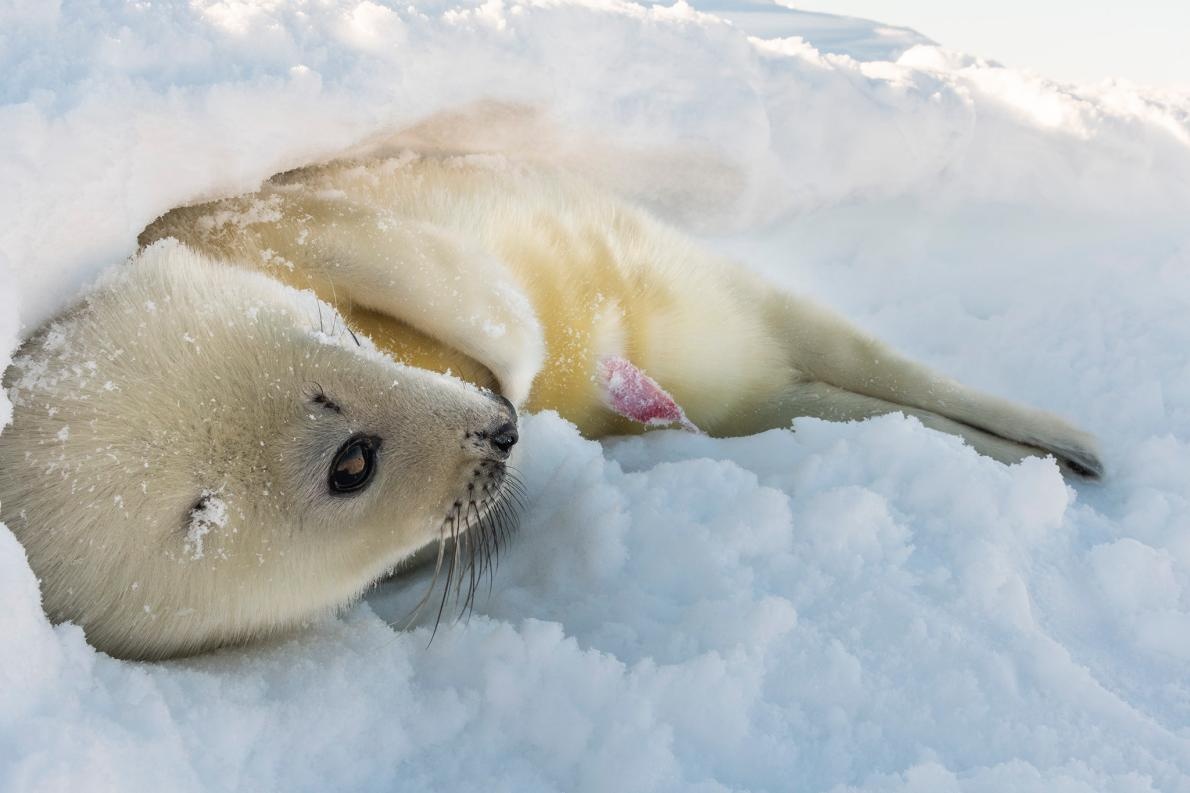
(354, 464)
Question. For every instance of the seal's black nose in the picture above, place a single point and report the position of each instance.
(504, 437)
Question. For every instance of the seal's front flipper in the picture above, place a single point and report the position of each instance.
(631, 393)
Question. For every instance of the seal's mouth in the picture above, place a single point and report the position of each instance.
(477, 523)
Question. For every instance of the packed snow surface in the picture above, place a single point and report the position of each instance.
(844, 607)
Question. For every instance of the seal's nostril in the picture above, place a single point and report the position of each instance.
(504, 437)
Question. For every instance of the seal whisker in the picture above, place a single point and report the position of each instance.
(454, 523)
(433, 581)
(508, 520)
(476, 528)
(514, 487)
(491, 544)
(460, 542)
(486, 536)
(472, 557)
(501, 517)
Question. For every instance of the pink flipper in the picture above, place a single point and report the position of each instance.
(633, 394)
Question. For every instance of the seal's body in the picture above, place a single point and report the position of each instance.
(521, 277)
(200, 454)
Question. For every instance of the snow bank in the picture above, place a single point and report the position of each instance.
(845, 607)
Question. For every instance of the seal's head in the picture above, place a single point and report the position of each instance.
(195, 461)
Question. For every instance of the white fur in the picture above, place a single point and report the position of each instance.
(176, 379)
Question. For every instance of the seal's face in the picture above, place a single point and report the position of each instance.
(194, 462)
(383, 459)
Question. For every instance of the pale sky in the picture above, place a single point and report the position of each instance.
(1147, 41)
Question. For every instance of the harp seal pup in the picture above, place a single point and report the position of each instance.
(193, 463)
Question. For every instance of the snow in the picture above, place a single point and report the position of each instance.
(209, 513)
(830, 33)
(847, 607)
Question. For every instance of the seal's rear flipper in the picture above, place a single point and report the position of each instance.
(847, 371)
